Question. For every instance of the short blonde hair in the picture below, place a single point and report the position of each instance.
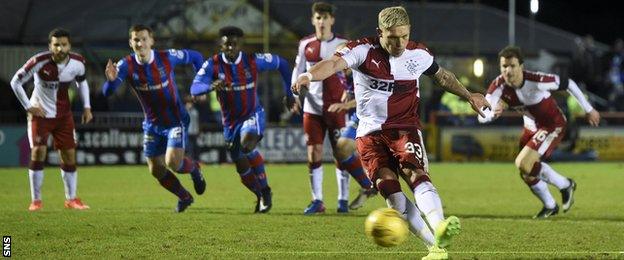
(393, 16)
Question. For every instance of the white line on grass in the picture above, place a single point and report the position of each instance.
(422, 252)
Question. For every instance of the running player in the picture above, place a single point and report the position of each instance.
(150, 74)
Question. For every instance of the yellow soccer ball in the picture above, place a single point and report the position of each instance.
(386, 227)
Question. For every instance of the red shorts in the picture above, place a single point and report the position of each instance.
(315, 127)
(62, 130)
(393, 149)
(544, 140)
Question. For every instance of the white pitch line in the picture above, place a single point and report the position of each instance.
(422, 252)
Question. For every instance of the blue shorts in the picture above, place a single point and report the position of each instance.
(254, 125)
(350, 129)
(156, 139)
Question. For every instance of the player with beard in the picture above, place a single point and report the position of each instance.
(49, 112)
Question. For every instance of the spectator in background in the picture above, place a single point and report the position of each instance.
(461, 111)
(215, 109)
(586, 69)
(193, 127)
(566, 151)
(613, 67)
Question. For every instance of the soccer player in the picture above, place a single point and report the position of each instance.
(317, 120)
(346, 146)
(49, 112)
(386, 69)
(233, 74)
(544, 124)
(151, 77)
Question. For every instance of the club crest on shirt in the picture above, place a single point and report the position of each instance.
(412, 66)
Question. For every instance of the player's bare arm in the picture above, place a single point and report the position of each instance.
(320, 71)
(593, 117)
(345, 106)
(218, 85)
(36, 111)
(86, 115)
(499, 108)
(449, 82)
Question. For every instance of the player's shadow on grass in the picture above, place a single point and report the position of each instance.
(280, 212)
(553, 218)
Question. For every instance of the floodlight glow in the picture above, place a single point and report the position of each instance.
(477, 68)
(534, 6)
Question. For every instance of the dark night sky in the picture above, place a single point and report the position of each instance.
(600, 18)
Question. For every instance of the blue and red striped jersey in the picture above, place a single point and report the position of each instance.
(239, 98)
(154, 84)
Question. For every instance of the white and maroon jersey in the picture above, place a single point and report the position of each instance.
(386, 87)
(321, 94)
(52, 81)
(533, 99)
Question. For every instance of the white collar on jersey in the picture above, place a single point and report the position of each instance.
(238, 59)
(136, 58)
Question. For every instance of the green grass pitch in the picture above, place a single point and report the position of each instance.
(132, 216)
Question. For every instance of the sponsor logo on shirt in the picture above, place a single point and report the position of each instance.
(50, 84)
(145, 87)
(239, 87)
(381, 85)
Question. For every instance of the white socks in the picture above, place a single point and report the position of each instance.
(550, 176)
(342, 178)
(316, 183)
(429, 203)
(70, 181)
(36, 181)
(417, 225)
(540, 189)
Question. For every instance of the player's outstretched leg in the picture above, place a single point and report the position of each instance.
(540, 190)
(446, 230)
(547, 212)
(172, 184)
(535, 174)
(428, 200)
(436, 253)
(249, 180)
(256, 162)
(188, 165)
(354, 166)
(565, 185)
(391, 191)
(567, 196)
(362, 197)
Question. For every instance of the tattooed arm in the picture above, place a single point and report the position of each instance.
(447, 80)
